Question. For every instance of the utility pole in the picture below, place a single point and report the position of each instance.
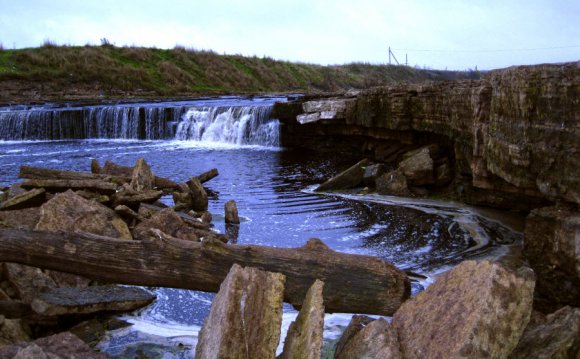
(389, 55)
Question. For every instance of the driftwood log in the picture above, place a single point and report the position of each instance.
(353, 283)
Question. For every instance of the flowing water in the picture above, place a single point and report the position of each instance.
(272, 187)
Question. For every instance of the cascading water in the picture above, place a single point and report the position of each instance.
(233, 125)
(245, 124)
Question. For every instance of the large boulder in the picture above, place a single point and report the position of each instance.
(304, 338)
(245, 316)
(552, 246)
(418, 166)
(558, 336)
(349, 178)
(377, 339)
(71, 213)
(476, 310)
(393, 183)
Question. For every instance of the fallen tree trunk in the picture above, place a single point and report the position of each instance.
(353, 283)
(56, 185)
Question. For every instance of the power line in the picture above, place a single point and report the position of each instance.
(490, 50)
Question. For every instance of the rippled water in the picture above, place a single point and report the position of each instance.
(272, 188)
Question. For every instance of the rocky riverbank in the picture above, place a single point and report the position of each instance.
(510, 141)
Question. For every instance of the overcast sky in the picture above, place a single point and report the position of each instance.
(450, 34)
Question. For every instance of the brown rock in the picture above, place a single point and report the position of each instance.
(377, 339)
(32, 198)
(62, 345)
(393, 183)
(476, 310)
(169, 223)
(28, 281)
(142, 179)
(59, 301)
(95, 166)
(231, 212)
(70, 212)
(304, 338)
(418, 167)
(348, 178)
(558, 336)
(208, 175)
(245, 316)
(58, 185)
(127, 196)
(357, 322)
(551, 246)
(20, 218)
(198, 194)
(182, 198)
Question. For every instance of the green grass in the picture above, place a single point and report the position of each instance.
(181, 72)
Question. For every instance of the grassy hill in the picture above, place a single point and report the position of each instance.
(53, 72)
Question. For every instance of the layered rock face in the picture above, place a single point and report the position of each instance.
(509, 141)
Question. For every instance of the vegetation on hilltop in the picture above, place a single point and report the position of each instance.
(111, 71)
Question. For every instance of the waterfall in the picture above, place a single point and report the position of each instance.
(185, 121)
(248, 125)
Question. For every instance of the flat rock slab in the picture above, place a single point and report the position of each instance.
(349, 178)
(476, 310)
(32, 198)
(59, 301)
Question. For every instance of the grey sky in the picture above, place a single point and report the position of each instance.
(459, 34)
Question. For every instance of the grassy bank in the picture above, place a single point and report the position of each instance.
(114, 71)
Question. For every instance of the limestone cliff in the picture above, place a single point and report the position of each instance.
(513, 136)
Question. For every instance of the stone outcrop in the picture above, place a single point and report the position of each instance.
(142, 179)
(556, 336)
(231, 212)
(304, 338)
(513, 136)
(552, 246)
(245, 316)
(476, 310)
(376, 339)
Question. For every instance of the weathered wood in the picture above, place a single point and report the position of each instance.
(33, 198)
(353, 283)
(111, 168)
(53, 174)
(208, 175)
(62, 185)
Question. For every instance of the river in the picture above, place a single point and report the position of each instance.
(271, 185)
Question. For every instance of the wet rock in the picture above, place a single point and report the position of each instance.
(245, 316)
(304, 338)
(231, 212)
(70, 212)
(476, 310)
(373, 172)
(376, 339)
(392, 183)
(142, 179)
(551, 246)
(11, 331)
(418, 167)
(198, 194)
(32, 198)
(20, 218)
(349, 178)
(167, 221)
(558, 336)
(62, 345)
(59, 301)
